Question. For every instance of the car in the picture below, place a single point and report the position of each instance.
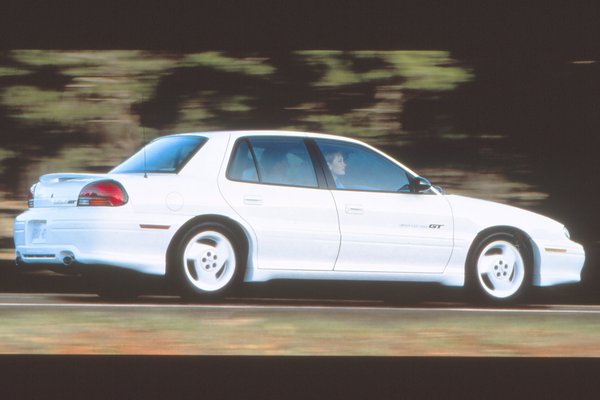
(210, 211)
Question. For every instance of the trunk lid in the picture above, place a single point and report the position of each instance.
(62, 189)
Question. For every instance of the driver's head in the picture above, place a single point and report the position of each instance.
(336, 163)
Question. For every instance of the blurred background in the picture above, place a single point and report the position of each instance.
(498, 108)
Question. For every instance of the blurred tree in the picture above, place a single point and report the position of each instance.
(83, 110)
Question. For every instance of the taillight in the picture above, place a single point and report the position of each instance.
(30, 196)
(102, 193)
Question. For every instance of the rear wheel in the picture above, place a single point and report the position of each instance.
(208, 262)
(500, 268)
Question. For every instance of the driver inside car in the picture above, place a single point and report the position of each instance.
(337, 166)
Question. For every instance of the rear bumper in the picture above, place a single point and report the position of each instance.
(60, 255)
(83, 236)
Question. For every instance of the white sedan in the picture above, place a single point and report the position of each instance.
(213, 210)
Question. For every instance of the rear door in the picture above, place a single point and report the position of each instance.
(272, 184)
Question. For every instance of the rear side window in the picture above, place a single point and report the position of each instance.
(276, 161)
(242, 166)
(163, 155)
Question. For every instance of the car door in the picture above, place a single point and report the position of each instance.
(272, 184)
(384, 226)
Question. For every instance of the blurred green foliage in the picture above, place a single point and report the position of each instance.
(9, 71)
(217, 60)
(419, 70)
(88, 110)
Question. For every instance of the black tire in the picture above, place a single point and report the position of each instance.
(208, 262)
(499, 269)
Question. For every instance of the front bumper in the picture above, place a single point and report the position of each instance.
(558, 263)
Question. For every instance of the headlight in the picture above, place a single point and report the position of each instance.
(566, 232)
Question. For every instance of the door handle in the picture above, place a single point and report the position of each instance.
(253, 200)
(354, 209)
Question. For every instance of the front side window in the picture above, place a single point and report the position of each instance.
(354, 167)
(277, 161)
(163, 155)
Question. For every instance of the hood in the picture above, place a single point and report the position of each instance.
(488, 213)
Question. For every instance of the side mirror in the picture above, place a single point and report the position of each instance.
(419, 184)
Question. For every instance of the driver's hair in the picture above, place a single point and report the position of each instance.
(331, 155)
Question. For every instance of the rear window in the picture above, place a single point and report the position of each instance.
(163, 155)
(280, 161)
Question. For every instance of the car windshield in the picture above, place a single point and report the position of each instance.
(163, 155)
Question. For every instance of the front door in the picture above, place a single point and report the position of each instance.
(385, 227)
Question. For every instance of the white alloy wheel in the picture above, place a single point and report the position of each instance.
(500, 269)
(209, 261)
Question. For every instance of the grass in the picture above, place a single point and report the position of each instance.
(255, 331)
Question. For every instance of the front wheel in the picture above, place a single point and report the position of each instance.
(500, 268)
(208, 261)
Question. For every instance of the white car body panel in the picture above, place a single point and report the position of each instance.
(556, 258)
(413, 232)
(293, 233)
(295, 228)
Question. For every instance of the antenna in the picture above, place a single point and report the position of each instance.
(144, 144)
(144, 138)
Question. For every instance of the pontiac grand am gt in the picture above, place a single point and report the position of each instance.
(212, 210)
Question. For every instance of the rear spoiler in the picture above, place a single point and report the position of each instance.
(61, 177)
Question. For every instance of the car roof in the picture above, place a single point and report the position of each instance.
(245, 133)
(281, 133)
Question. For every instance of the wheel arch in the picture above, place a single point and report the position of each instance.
(532, 249)
(240, 233)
